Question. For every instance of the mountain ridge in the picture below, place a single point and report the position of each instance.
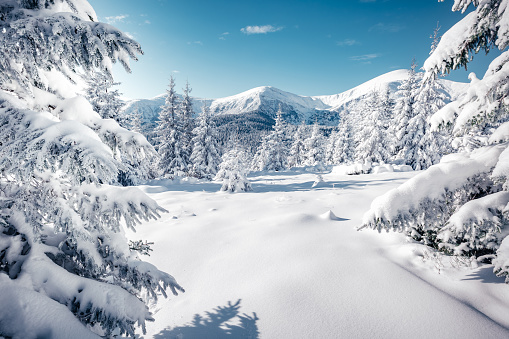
(264, 101)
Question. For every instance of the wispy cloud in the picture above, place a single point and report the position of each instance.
(260, 29)
(147, 22)
(114, 19)
(347, 42)
(175, 71)
(382, 27)
(195, 43)
(223, 35)
(365, 57)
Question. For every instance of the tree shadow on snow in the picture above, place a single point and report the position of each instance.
(486, 275)
(267, 185)
(223, 322)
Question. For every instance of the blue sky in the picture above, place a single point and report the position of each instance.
(303, 47)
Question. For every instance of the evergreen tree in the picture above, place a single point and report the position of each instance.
(272, 154)
(298, 148)
(344, 147)
(103, 98)
(404, 111)
(62, 212)
(136, 121)
(373, 143)
(172, 141)
(459, 206)
(205, 156)
(314, 147)
(233, 171)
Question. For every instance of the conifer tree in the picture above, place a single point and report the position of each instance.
(297, 154)
(62, 212)
(172, 141)
(103, 98)
(459, 206)
(373, 143)
(404, 111)
(205, 156)
(233, 171)
(314, 147)
(344, 147)
(272, 154)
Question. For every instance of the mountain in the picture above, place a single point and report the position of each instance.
(259, 105)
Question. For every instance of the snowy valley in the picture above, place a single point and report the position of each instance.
(379, 212)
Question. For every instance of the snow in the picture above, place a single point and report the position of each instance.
(286, 261)
(267, 98)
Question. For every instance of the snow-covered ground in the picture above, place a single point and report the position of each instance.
(275, 263)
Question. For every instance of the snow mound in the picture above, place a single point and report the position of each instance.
(329, 215)
(351, 169)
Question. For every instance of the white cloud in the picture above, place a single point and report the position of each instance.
(223, 35)
(175, 71)
(260, 29)
(129, 35)
(365, 57)
(391, 28)
(347, 42)
(118, 18)
(195, 43)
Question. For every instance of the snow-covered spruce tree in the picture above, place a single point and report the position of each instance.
(233, 171)
(62, 213)
(404, 111)
(103, 98)
(205, 156)
(297, 153)
(314, 147)
(186, 122)
(344, 147)
(272, 155)
(330, 147)
(460, 205)
(429, 145)
(373, 142)
(135, 121)
(172, 142)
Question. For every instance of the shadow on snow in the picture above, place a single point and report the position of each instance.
(222, 322)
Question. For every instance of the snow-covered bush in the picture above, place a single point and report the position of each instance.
(460, 205)
(233, 172)
(62, 210)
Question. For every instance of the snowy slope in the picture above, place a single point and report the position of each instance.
(299, 273)
(266, 100)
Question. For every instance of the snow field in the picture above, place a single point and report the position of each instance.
(303, 274)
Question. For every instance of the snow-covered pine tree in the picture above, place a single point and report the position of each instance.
(297, 154)
(186, 123)
(373, 142)
(460, 205)
(431, 144)
(172, 144)
(403, 112)
(135, 121)
(330, 148)
(344, 146)
(104, 99)
(233, 171)
(314, 147)
(62, 213)
(205, 156)
(272, 155)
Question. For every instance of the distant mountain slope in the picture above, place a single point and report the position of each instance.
(262, 103)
